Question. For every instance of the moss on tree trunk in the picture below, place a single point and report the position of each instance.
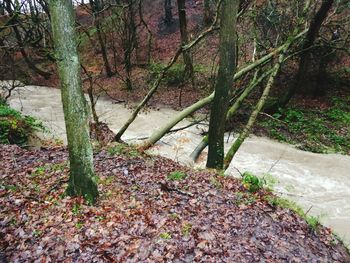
(224, 82)
(76, 114)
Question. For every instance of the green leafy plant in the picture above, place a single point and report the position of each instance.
(176, 176)
(16, 128)
(251, 182)
(39, 171)
(165, 235)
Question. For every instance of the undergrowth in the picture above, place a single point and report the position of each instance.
(254, 183)
(16, 128)
(321, 131)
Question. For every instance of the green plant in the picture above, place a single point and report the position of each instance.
(186, 229)
(79, 225)
(313, 222)
(176, 176)
(123, 149)
(39, 171)
(9, 187)
(251, 182)
(16, 128)
(165, 235)
(76, 209)
(36, 233)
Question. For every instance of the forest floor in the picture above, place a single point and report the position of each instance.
(150, 209)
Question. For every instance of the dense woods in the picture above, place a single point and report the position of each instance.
(268, 67)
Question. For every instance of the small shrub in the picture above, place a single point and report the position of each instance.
(174, 75)
(251, 182)
(176, 176)
(16, 128)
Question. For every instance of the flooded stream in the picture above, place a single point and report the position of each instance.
(319, 183)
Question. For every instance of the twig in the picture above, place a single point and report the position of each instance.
(268, 115)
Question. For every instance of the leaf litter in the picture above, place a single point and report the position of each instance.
(141, 216)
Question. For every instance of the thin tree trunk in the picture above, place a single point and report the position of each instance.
(168, 18)
(96, 9)
(158, 80)
(208, 13)
(150, 36)
(224, 82)
(180, 116)
(184, 38)
(310, 38)
(230, 113)
(209, 98)
(238, 142)
(76, 114)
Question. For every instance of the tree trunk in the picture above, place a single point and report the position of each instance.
(231, 112)
(168, 18)
(180, 116)
(96, 9)
(76, 114)
(224, 82)
(234, 148)
(208, 12)
(203, 102)
(310, 38)
(184, 38)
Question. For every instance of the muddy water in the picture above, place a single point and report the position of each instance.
(319, 183)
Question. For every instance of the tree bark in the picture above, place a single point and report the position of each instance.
(168, 18)
(184, 38)
(224, 82)
(207, 12)
(180, 116)
(76, 114)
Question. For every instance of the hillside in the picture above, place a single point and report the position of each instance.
(150, 209)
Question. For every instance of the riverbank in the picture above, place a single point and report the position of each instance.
(318, 182)
(148, 212)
